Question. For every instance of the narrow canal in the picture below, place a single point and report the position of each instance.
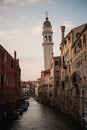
(41, 117)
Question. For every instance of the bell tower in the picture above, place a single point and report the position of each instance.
(47, 34)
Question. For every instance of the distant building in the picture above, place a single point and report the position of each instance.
(28, 88)
(46, 87)
(38, 91)
(10, 76)
(33, 85)
(25, 89)
(55, 78)
(56, 74)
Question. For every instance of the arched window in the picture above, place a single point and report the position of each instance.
(45, 38)
(49, 38)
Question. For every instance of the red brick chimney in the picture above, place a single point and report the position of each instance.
(15, 55)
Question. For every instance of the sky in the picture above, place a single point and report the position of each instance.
(21, 23)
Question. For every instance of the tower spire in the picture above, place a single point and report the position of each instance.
(46, 14)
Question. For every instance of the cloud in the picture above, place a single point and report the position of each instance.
(28, 1)
(28, 59)
(24, 17)
(2, 19)
(9, 34)
(9, 1)
(37, 29)
(5, 2)
(5, 7)
(15, 31)
(32, 1)
(4, 35)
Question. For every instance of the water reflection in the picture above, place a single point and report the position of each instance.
(40, 117)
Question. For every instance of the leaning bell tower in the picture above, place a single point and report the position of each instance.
(47, 44)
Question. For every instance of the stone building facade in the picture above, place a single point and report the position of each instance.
(10, 76)
(79, 67)
(74, 71)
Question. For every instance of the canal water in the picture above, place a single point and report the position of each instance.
(41, 117)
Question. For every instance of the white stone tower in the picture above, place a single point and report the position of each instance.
(47, 43)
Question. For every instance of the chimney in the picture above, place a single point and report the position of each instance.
(15, 55)
(62, 31)
(17, 61)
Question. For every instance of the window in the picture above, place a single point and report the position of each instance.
(77, 34)
(84, 38)
(3, 55)
(57, 82)
(75, 50)
(45, 38)
(80, 42)
(49, 38)
(5, 78)
(5, 58)
(69, 38)
(2, 79)
(11, 64)
(77, 91)
(57, 74)
(56, 62)
(69, 68)
(85, 104)
(84, 79)
(64, 63)
(63, 85)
